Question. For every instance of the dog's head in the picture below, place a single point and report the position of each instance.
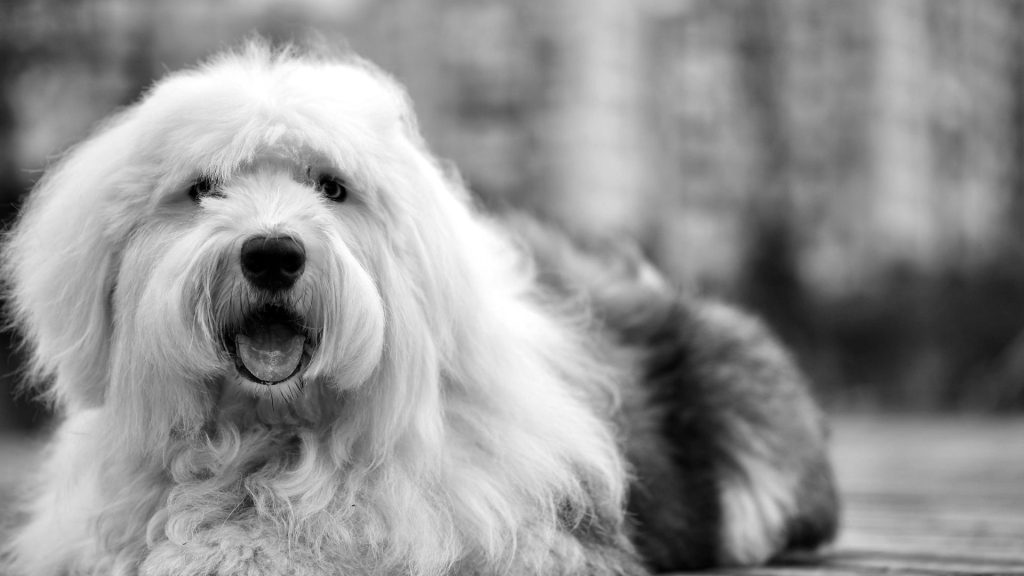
(267, 222)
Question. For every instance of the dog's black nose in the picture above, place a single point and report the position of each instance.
(273, 262)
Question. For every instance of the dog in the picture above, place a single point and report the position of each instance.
(284, 340)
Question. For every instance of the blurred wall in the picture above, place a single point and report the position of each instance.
(847, 169)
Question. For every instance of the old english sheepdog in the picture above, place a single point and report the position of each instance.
(284, 341)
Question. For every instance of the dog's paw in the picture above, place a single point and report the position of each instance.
(767, 511)
(228, 551)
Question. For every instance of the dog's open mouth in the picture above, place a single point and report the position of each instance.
(271, 346)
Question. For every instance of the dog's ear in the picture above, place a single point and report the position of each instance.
(59, 261)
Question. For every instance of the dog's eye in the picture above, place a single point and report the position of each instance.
(332, 187)
(202, 187)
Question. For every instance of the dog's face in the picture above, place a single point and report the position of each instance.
(266, 223)
(270, 270)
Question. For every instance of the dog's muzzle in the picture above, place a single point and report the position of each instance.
(271, 344)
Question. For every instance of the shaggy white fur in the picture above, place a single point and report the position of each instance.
(433, 422)
(445, 417)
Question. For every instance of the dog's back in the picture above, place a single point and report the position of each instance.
(727, 447)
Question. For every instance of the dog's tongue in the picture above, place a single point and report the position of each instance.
(271, 353)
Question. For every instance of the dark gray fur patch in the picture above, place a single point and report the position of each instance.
(705, 381)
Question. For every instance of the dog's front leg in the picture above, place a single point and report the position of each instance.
(605, 551)
(231, 550)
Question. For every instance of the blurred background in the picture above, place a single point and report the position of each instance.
(849, 170)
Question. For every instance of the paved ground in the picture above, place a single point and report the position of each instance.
(923, 497)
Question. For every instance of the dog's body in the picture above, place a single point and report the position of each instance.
(285, 343)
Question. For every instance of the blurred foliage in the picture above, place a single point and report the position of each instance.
(850, 170)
